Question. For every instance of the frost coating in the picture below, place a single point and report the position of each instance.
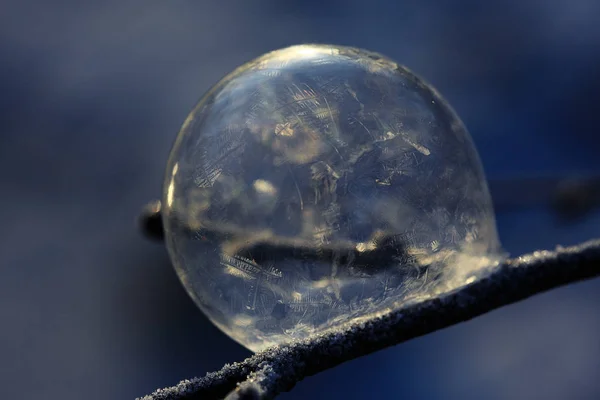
(317, 184)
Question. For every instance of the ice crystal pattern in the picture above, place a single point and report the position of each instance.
(318, 184)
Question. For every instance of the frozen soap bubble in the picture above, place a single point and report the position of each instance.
(318, 184)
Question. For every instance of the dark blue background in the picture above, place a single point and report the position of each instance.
(92, 94)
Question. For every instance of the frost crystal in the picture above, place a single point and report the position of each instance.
(318, 184)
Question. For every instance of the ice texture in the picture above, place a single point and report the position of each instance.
(318, 184)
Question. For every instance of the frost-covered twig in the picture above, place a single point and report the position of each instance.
(278, 369)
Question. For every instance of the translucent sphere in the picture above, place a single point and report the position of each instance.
(318, 184)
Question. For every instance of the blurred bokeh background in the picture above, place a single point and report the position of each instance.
(92, 95)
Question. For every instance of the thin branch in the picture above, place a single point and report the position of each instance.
(569, 196)
(278, 369)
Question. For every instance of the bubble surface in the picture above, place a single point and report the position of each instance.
(317, 184)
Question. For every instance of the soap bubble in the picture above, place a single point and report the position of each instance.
(319, 184)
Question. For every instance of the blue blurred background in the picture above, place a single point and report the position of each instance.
(93, 94)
